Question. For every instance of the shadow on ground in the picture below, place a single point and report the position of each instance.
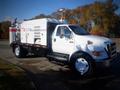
(105, 79)
(13, 77)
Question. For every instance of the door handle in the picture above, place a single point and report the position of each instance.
(70, 41)
(54, 39)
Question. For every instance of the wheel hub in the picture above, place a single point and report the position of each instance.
(17, 51)
(82, 65)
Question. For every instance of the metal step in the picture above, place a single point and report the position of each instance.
(57, 57)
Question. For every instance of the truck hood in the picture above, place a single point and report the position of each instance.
(97, 40)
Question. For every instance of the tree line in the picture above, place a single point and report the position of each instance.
(98, 18)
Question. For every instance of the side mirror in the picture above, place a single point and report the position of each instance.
(61, 35)
(69, 36)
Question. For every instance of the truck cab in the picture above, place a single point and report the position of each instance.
(80, 48)
(68, 39)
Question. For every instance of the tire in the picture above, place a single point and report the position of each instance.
(50, 59)
(82, 65)
(19, 51)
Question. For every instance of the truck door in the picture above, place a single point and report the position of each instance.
(62, 41)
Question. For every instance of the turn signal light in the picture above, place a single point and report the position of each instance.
(96, 53)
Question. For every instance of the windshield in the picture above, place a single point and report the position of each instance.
(78, 30)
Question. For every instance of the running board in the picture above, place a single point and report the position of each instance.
(57, 57)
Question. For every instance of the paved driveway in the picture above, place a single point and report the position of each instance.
(55, 76)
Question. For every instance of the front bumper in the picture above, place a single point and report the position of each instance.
(103, 64)
(106, 62)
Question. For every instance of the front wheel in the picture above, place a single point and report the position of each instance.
(82, 65)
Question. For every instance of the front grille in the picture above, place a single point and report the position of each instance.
(111, 50)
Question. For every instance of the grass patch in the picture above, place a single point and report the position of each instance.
(13, 77)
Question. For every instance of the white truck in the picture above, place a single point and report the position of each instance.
(64, 42)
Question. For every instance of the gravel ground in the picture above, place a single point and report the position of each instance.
(52, 75)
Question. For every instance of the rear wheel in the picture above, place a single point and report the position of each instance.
(50, 59)
(19, 51)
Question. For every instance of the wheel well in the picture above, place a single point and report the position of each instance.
(80, 53)
(14, 45)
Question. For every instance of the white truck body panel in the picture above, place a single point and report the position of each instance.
(35, 31)
(62, 45)
(99, 44)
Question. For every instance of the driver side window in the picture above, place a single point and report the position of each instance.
(59, 31)
(63, 31)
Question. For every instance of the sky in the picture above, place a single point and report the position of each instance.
(26, 9)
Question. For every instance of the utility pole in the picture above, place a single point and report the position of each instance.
(62, 10)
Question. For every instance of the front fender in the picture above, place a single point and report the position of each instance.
(80, 53)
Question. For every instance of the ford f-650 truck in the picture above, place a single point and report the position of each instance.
(64, 42)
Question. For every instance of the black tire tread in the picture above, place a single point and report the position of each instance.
(88, 58)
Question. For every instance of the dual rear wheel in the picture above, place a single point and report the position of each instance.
(19, 51)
